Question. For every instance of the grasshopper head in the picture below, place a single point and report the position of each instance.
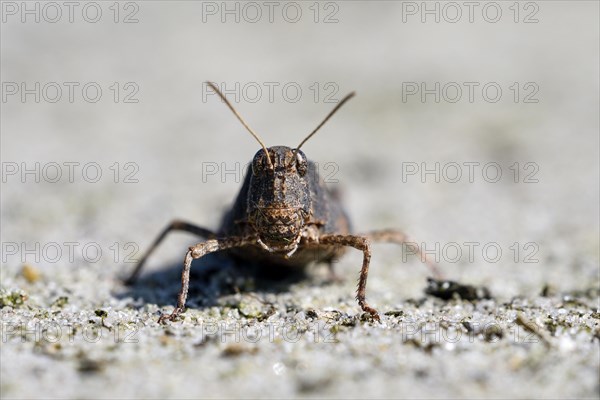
(279, 199)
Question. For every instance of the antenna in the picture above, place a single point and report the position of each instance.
(239, 117)
(337, 107)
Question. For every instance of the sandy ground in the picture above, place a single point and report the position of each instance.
(71, 329)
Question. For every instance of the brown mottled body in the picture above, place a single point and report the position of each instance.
(284, 207)
(283, 216)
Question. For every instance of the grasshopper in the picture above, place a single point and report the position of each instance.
(283, 216)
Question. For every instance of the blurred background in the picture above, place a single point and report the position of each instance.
(474, 129)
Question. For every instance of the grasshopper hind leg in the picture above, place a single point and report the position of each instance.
(400, 238)
(176, 225)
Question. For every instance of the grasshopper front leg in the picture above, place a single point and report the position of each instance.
(360, 243)
(363, 243)
(197, 251)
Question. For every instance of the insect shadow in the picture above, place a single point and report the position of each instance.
(215, 276)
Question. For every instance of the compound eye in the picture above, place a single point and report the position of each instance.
(259, 163)
(301, 163)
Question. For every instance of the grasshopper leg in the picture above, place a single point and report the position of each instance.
(360, 243)
(176, 225)
(197, 251)
(400, 238)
